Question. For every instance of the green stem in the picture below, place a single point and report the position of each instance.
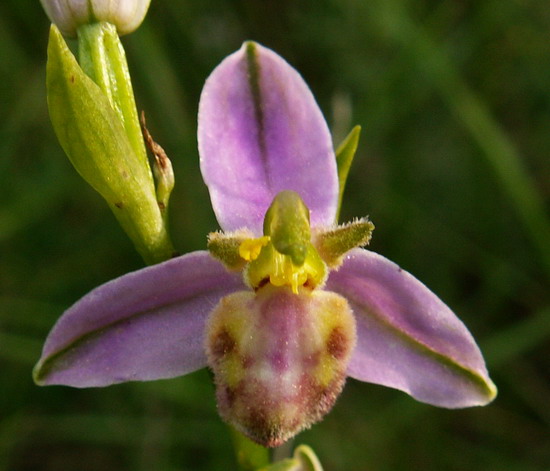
(250, 455)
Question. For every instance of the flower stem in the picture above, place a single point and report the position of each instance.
(250, 455)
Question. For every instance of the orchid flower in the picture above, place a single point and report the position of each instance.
(285, 304)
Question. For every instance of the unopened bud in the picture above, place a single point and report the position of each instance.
(68, 15)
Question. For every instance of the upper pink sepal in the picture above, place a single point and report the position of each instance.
(260, 131)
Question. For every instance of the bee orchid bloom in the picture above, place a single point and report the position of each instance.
(285, 304)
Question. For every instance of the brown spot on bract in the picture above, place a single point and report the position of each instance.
(119, 204)
(338, 343)
(72, 78)
(222, 344)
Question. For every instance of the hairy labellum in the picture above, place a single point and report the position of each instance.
(299, 308)
(279, 358)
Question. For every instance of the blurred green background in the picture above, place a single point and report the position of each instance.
(454, 100)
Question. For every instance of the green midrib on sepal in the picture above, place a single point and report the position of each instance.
(42, 369)
(253, 69)
(485, 386)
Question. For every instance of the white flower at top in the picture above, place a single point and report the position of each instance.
(68, 15)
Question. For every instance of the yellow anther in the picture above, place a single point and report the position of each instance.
(284, 273)
(250, 248)
(266, 264)
(296, 281)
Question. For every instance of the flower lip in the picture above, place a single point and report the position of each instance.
(268, 392)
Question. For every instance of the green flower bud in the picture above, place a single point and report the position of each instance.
(68, 15)
(95, 140)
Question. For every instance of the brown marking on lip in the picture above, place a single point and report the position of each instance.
(222, 344)
(318, 400)
(263, 429)
(338, 343)
(230, 395)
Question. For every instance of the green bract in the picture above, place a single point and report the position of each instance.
(102, 58)
(344, 157)
(94, 138)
